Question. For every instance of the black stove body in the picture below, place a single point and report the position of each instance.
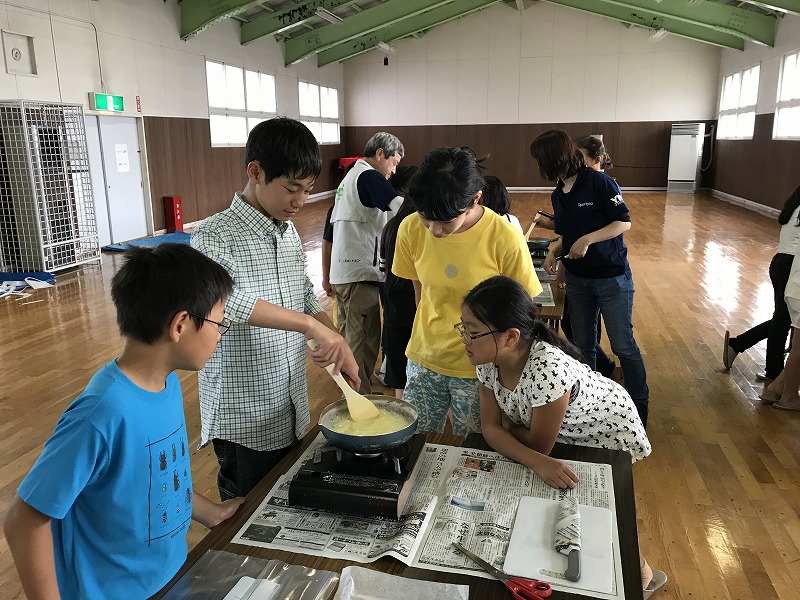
(339, 481)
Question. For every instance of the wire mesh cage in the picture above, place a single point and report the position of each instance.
(47, 216)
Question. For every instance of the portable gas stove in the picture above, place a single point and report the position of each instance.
(371, 485)
(538, 255)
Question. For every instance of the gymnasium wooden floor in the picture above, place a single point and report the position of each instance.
(718, 501)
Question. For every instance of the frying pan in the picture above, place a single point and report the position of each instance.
(540, 243)
(369, 444)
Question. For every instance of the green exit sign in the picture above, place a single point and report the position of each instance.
(106, 102)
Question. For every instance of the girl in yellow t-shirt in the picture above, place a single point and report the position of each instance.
(449, 246)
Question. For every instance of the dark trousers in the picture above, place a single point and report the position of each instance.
(603, 364)
(241, 468)
(776, 330)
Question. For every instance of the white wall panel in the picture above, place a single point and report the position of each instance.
(412, 93)
(702, 81)
(443, 42)
(569, 32)
(152, 90)
(503, 93)
(504, 33)
(535, 77)
(356, 92)
(413, 50)
(601, 73)
(670, 75)
(603, 37)
(566, 94)
(383, 93)
(144, 15)
(634, 87)
(111, 16)
(442, 85)
(8, 83)
(473, 91)
(79, 9)
(537, 30)
(473, 38)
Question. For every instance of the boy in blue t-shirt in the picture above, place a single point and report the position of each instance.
(105, 510)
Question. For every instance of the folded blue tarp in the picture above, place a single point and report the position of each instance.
(176, 237)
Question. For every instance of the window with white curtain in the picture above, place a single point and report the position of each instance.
(787, 107)
(737, 105)
(319, 111)
(238, 100)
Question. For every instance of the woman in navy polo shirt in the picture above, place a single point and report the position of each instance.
(590, 217)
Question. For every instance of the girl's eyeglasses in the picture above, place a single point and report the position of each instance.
(223, 325)
(471, 337)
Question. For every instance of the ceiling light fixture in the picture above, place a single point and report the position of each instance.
(657, 34)
(328, 15)
(386, 48)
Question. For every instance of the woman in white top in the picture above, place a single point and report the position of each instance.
(495, 197)
(777, 328)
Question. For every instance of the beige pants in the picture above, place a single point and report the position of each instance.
(359, 311)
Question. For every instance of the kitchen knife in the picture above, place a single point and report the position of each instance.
(568, 536)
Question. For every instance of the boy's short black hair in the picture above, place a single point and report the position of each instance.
(283, 146)
(156, 283)
(445, 183)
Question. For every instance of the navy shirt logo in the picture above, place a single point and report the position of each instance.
(617, 200)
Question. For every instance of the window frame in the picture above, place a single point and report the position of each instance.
(739, 110)
(251, 116)
(314, 121)
(791, 103)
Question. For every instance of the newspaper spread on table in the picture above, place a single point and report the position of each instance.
(461, 495)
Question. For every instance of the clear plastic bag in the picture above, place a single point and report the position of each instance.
(217, 573)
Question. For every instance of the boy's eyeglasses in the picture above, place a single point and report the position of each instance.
(470, 337)
(223, 325)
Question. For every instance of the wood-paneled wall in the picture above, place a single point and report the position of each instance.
(761, 170)
(639, 150)
(182, 162)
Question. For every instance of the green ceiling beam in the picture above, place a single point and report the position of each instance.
(654, 21)
(197, 15)
(746, 24)
(382, 15)
(788, 6)
(286, 17)
(401, 29)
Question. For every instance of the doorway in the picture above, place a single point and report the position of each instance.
(116, 171)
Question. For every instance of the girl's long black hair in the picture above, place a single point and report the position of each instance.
(501, 303)
(792, 202)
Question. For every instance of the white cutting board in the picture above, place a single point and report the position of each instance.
(531, 553)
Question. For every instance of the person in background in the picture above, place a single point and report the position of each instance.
(105, 510)
(777, 328)
(400, 305)
(495, 197)
(785, 389)
(451, 244)
(327, 250)
(365, 200)
(594, 153)
(591, 217)
(253, 391)
(535, 391)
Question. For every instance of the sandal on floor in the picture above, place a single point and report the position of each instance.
(659, 581)
(780, 406)
(768, 398)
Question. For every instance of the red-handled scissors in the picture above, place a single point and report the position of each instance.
(521, 589)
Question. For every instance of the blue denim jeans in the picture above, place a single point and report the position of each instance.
(611, 297)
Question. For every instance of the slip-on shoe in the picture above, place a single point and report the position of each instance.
(728, 353)
(659, 581)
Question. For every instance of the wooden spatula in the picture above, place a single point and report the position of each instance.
(361, 408)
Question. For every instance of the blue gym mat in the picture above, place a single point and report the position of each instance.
(176, 237)
(19, 278)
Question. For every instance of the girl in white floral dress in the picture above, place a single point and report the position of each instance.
(535, 391)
